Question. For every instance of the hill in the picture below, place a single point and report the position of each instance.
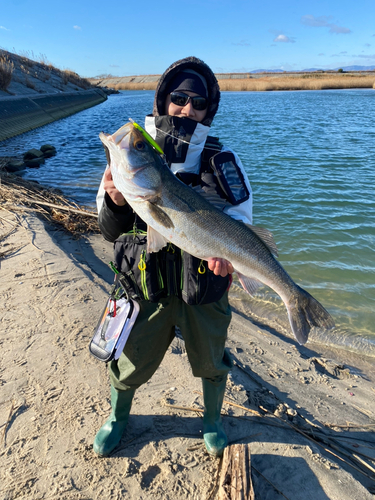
(20, 75)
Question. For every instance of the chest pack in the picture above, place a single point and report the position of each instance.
(220, 180)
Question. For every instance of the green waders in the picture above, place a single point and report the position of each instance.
(110, 433)
(214, 436)
(204, 329)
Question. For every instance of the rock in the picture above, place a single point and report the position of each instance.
(46, 147)
(35, 162)
(48, 150)
(31, 154)
(15, 166)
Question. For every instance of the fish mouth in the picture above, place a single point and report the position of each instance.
(122, 133)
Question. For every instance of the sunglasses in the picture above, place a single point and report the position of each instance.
(180, 99)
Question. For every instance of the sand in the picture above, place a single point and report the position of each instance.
(54, 395)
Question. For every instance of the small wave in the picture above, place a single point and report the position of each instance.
(268, 310)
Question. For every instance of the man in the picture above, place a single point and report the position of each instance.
(177, 289)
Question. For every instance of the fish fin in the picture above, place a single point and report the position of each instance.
(267, 238)
(304, 313)
(250, 285)
(155, 241)
(160, 216)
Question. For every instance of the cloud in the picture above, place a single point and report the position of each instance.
(77, 27)
(242, 43)
(340, 54)
(339, 30)
(316, 22)
(4, 28)
(284, 39)
(321, 54)
(367, 44)
(364, 56)
(114, 66)
(324, 22)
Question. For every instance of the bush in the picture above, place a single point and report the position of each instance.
(6, 72)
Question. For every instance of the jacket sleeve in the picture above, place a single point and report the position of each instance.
(114, 220)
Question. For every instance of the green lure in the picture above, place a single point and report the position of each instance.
(148, 137)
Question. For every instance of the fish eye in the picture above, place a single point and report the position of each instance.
(139, 145)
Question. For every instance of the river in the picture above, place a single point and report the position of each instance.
(310, 158)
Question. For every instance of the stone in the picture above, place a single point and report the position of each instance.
(35, 162)
(15, 166)
(48, 150)
(47, 147)
(31, 154)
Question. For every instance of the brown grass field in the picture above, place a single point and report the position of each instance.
(306, 81)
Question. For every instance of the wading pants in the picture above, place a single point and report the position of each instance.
(204, 329)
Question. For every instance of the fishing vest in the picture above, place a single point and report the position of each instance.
(171, 271)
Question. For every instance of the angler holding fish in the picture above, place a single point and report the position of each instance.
(180, 226)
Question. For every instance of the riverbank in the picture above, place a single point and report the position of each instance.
(308, 418)
(34, 93)
(20, 114)
(258, 82)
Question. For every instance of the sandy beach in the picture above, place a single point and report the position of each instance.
(307, 415)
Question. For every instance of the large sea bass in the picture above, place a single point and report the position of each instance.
(174, 212)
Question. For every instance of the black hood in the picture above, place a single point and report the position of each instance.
(200, 67)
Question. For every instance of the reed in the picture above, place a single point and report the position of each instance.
(6, 72)
(304, 82)
(135, 86)
(308, 81)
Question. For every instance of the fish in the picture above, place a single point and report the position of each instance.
(175, 213)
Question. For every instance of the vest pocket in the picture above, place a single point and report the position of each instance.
(199, 284)
(130, 251)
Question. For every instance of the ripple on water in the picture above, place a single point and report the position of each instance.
(310, 157)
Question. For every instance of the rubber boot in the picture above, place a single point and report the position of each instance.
(214, 436)
(109, 435)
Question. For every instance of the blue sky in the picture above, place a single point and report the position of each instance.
(132, 38)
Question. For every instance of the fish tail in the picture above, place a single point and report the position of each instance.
(304, 313)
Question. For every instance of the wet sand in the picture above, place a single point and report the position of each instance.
(308, 414)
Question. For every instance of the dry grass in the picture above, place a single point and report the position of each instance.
(69, 76)
(38, 67)
(6, 72)
(304, 82)
(19, 195)
(307, 81)
(135, 86)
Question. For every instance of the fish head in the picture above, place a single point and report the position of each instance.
(134, 163)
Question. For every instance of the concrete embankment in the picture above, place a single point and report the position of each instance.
(20, 114)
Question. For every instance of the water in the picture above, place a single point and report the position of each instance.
(310, 157)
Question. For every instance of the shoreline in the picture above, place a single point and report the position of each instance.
(21, 113)
(54, 394)
(257, 82)
(242, 304)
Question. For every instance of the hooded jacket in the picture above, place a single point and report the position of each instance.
(183, 141)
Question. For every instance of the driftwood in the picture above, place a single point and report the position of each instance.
(235, 477)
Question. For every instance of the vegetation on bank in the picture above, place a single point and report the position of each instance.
(6, 72)
(296, 81)
(308, 81)
(28, 69)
